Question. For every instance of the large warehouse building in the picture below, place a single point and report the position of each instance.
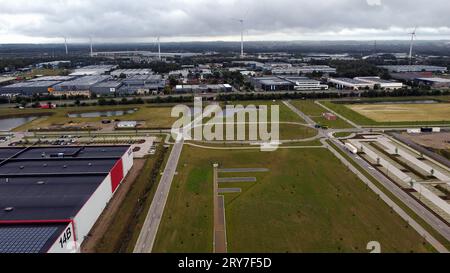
(81, 84)
(50, 197)
(414, 68)
(142, 84)
(278, 83)
(28, 88)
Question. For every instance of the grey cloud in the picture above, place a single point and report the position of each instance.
(205, 18)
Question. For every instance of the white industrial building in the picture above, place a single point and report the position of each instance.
(382, 84)
(347, 83)
(305, 84)
(130, 72)
(415, 68)
(307, 69)
(53, 202)
(93, 70)
(360, 83)
(278, 83)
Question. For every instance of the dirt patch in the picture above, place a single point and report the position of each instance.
(439, 141)
(403, 112)
(105, 220)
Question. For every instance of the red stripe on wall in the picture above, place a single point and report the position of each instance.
(116, 175)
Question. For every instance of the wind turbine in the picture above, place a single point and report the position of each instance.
(413, 35)
(65, 44)
(92, 47)
(242, 37)
(242, 21)
(158, 40)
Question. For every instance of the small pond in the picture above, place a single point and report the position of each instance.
(7, 124)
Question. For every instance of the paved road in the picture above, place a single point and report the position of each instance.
(430, 239)
(220, 231)
(236, 179)
(150, 228)
(300, 113)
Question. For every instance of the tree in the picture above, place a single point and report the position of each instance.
(167, 89)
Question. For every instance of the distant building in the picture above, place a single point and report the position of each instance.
(109, 87)
(29, 88)
(353, 84)
(142, 84)
(142, 54)
(54, 64)
(131, 72)
(414, 68)
(411, 76)
(434, 82)
(277, 83)
(382, 84)
(53, 78)
(72, 93)
(203, 88)
(93, 70)
(272, 84)
(308, 69)
(322, 57)
(80, 84)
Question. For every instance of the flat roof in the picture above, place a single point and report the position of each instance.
(143, 71)
(51, 183)
(45, 198)
(108, 84)
(438, 80)
(375, 79)
(273, 81)
(85, 80)
(351, 81)
(31, 84)
(143, 77)
(29, 238)
(53, 78)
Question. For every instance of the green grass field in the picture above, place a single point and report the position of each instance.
(316, 206)
(315, 112)
(152, 117)
(404, 112)
(292, 131)
(360, 119)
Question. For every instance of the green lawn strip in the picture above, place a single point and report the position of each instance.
(342, 134)
(126, 225)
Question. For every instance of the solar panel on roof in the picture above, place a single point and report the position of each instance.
(15, 239)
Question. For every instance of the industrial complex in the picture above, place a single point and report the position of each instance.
(50, 197)
(90, 80)
(299, 147)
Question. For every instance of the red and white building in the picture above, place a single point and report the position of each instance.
(50, 197)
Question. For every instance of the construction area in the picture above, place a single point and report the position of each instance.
(422, 177)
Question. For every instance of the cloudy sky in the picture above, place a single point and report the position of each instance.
(36, 21)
